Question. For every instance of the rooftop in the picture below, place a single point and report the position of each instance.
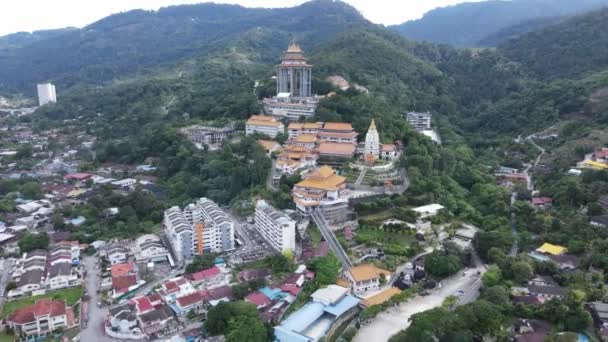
(367, 271)
(338, 126)
(551, 249)
(119, 270)
(381, 297)
(337, 149)
(42, 307)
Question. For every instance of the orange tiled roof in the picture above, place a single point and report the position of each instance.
(388, 147)
(323, 178)
(338, 126)
(253, 122)
(337, 148)
(367, 271)
(305, 138)
(268, 144)
(381, 297)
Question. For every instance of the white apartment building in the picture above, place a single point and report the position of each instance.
(419, 121)
(201, 227)
(46, 93)
(179, 233)
(275, 226)
(263, 124)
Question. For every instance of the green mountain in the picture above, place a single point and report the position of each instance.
(469, 24)
(21, 39)
(140, 42)
(569, 49)
(517, 30)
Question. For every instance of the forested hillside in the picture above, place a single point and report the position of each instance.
(21, 39)
(139, 42)
(469, 24)
(569, 49)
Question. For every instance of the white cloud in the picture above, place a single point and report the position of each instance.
(29, 15)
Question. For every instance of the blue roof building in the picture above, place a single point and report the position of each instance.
(313, 320)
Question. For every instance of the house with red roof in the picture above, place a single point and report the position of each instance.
(175, 288)
(542, 202)
(142, 304)
(292, 289)
(258, 299)
(119, 270)
(80, 176)
(43, 317)
(194, 302)
(205, 275)
(123, 284)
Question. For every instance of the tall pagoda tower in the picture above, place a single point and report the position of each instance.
(294, 74)
(372, 141)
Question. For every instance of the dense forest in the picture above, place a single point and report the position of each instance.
(143, 42)
(482, 99)
(477, 23)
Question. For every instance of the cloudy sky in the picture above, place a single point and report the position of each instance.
(30, 15)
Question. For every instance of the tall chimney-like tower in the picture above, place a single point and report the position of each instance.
(294, 74)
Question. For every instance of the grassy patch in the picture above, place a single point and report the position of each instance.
(384, 237)
(71, 296)
(378, 217)
(6, 338)
(315, 235)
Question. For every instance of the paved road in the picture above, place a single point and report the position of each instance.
(515, 245)
(393, 320)
(94, 330)
(5, 276)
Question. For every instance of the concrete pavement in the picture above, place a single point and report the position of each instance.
(393, 320)
(94, 330)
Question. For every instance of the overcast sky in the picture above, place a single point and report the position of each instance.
(30, 15)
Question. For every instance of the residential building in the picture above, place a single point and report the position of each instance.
(117, 254)
(542, 202)
(148, 248)
(599, 312)
(193, 302)
(213, 228)
(29, 281)
(179, 232)
(263, 124)
(208, 135)
(275, 226)
(41, 318)
(62, 275)
(366, 277)
(123, 322)
(372, 141)
(46, 93)
(329, 307)
(419, 121)
(157, 320)
(322, 188)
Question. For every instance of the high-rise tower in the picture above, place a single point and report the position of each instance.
(294, 74)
